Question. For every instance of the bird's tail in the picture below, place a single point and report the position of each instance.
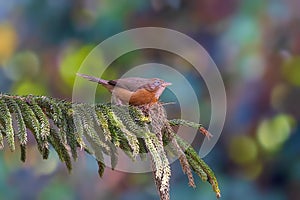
(93, 79)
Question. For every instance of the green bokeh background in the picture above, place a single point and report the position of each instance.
(255, 44)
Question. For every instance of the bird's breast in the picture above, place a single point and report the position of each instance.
(142, 96)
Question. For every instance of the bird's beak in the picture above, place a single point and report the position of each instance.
(166, 84)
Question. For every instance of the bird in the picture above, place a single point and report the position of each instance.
(134, 91)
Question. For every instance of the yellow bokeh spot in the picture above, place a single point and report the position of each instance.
(8, 41)
(291, 70)
(273, 133)
(243, 150)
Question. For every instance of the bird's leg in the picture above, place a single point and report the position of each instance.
(117, 101)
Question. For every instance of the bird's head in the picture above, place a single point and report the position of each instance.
(158, 86)
(157, 83)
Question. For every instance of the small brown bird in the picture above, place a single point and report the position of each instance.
(134, 91)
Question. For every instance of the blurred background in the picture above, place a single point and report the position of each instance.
(255, 44)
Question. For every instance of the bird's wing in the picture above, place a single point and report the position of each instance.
(130, 83)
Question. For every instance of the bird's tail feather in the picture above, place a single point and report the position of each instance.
(93, 79)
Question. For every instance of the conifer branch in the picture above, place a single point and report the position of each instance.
(101, 129)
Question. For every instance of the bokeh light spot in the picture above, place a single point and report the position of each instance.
(243, 150)
(273, 133)
(22, 66)
(45, 167)
(252, 66)
(71, 60)
(291, 71)
(8, 41)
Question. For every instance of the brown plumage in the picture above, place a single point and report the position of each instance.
(134, 90)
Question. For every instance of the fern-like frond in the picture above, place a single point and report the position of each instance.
(31, 121)
(14, 108)
(44, 126)
(130, 136)
(200, 167)
(21, 134)
(2, 132)
(60, 147)
(175, 122)
(101, 129)
(6, 120)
